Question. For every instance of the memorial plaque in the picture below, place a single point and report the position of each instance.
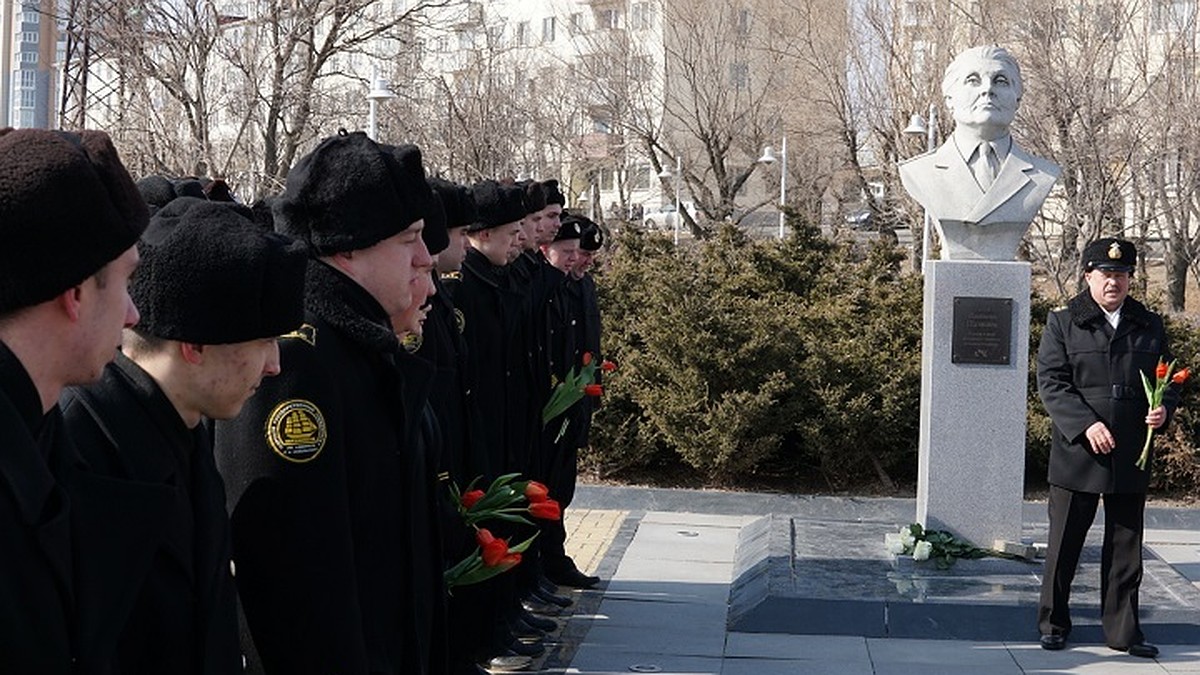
(982, 331)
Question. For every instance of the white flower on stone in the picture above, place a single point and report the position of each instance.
(893, 543)
(922, 550)
(907, 538)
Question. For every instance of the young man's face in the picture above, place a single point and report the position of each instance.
(498, 244)
(390, 269)
(531, 227)
(105, 309)
(551, 221)
(451, 259)
(412, 321)
(229, 375)
(518, 241)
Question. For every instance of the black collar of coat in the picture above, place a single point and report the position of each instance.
(348, 307)
(1084, 310)
(479, 265)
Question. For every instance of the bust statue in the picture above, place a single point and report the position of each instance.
(980, 188)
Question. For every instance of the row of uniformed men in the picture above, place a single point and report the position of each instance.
(329, 449)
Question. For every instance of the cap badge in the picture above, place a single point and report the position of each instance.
(1114, 251)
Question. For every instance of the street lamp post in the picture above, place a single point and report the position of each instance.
(665, 174)
(768, 157)
(917, 127)
(379, 91)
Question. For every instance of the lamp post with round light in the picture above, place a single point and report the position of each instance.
(379, 91)
(768, 157)
(917, 126)
(678, 175)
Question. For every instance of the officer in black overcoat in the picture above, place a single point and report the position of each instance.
(328, 510)
(1089, 366)
(70, 216)
(214, 291)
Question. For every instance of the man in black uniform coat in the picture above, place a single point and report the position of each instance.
(214, 292)
(69, 218)
(1089, 364)
(337, 567)
(575, 330)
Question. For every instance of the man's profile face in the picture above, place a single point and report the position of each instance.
(983, 93)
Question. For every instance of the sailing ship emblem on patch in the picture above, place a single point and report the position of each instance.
(460, 320)
(296, 430)
(1114, 251)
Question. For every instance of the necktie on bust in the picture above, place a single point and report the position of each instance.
(985, 164)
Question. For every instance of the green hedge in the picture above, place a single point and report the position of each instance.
(746, 360)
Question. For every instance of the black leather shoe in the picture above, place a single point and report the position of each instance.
(1053, 642)
(1141, 650)
(547, 597)
(573, 578)
(532, 604)
(539, 622)
(507, 664)
(524, 632)
(530, 649)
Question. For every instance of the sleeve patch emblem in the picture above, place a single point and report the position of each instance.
(296, 430)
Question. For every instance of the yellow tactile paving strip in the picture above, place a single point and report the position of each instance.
(589, 534)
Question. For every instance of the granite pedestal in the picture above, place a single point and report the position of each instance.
(974, 375)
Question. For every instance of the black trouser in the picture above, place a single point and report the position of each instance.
(1071, 516)
(561, 481)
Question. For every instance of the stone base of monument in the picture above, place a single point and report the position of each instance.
(834, 577)
(974, 380)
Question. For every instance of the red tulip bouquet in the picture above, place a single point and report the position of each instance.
(506, 499)
(579, 382)
(1154, 396)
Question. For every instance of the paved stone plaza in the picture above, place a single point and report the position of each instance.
(673, 570)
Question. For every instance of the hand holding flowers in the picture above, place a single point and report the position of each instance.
(1154, 397)
(579, 382)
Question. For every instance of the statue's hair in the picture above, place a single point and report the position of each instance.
(989, 52)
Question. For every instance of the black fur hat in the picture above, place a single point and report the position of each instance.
(456, 201)
(553, 194)
(435, 234)
(210, 275)
(67, 208)
(496, 205)
(535, 196)
(350, 193)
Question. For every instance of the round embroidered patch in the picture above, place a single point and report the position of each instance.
(296, 430)
(412, 342)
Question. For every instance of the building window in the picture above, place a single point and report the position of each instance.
(915, 13)
(30, 16)
(548, 29)
(29, 79)
(523, 34)
(28, 98)
(25, 119)
(29, 57)
(29, 36)
(741, 21)
(466, 39)
(606, 179)
(608, 19)
(495, 35)
(575, 24)
(1171, 15)
(739, 75)
(641, 68)
(639, 177)
(641, 16)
